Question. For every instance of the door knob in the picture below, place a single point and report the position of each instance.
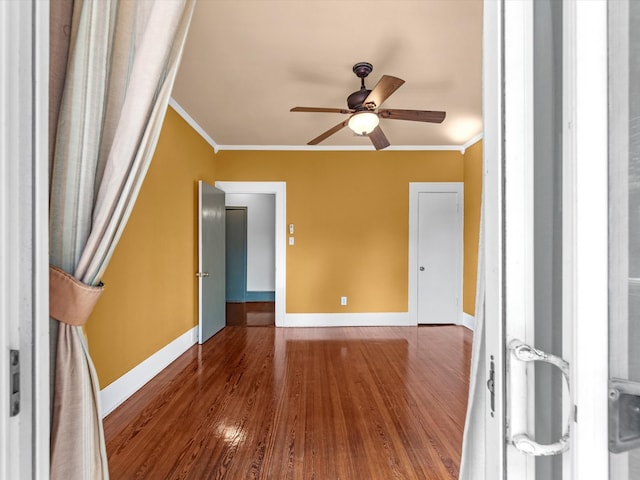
(202, 274)
(422, 269)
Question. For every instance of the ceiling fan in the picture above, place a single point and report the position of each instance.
(364, 109)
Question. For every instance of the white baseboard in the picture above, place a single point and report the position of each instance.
(468, 321)
(377, 319)
(117, 392)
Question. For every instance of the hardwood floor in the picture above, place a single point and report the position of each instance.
(325, 404)
(251, 314)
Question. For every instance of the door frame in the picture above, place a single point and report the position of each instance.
(279, 189)
(590, 178)
(24, 236)
(415, 189)
(492, 213)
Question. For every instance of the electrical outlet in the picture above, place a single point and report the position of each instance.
(343, 301)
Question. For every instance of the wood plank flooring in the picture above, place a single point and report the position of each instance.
(254, 314)
(324, 403)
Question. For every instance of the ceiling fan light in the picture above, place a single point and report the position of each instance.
(363, 123)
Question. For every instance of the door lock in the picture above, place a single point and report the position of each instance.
(491, 385)
(624, 415)
(14, 383)
(422, 269)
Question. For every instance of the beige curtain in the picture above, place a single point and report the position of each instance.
(472, 464)
(123, 57)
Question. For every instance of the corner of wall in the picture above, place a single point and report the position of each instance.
(113, 395)
(159, 244)
(472, 161)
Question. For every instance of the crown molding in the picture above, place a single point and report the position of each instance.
(470, 142)
(193, 124)
(342, 148)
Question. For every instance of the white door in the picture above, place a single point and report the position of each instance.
(439, 252)
(545, 216)
(211, 261)
(624, 240)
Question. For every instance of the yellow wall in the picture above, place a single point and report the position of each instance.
(472, 203)
(150, 295)
(350, 211)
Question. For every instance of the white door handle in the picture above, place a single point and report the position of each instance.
(522, 441)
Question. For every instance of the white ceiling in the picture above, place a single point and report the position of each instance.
(247, 62)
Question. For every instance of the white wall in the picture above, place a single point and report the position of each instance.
(261, 234)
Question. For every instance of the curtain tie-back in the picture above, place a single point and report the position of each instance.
(70, 300)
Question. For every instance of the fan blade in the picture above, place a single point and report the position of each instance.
(383, 90)
(328, 133)
(415, 115)
(379, 139)
(320, 109)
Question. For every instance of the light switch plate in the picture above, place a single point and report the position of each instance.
(291, 241)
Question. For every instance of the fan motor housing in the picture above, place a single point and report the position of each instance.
(354, 101)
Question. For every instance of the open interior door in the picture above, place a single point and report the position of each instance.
(211, 261)
(624, 240)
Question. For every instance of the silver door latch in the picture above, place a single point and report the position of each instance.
(522, 441)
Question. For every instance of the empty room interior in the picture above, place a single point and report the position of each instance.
(348, 291)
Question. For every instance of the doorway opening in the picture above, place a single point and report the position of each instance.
(250, 259)
(243, 191)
